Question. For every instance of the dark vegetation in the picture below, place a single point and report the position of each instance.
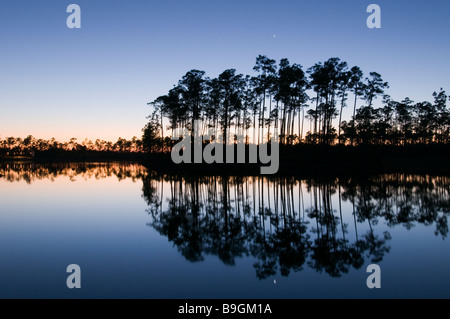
(305, 108)
(286, 98)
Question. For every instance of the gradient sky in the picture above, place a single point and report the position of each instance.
(95, 82)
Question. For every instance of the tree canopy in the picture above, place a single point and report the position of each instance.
(275, 100)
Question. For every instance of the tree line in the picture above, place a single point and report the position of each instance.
(303, 106)
(25, 146)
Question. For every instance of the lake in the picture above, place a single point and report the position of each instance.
(137, 233)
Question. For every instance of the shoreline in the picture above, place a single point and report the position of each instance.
(294, 160)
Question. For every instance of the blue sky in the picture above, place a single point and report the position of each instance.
(95, 81)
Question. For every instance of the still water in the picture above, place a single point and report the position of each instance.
(136, 233)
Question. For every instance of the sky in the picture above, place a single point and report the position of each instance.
(95, 82)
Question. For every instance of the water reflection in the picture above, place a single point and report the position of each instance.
(285, 224)
(31, 172)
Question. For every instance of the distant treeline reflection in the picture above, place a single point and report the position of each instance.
(285, 224)
(30, 172)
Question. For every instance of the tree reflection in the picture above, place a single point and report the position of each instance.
(282, 223)
(31, 172)
(285, 224)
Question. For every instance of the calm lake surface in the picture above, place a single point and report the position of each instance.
(139, 234)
